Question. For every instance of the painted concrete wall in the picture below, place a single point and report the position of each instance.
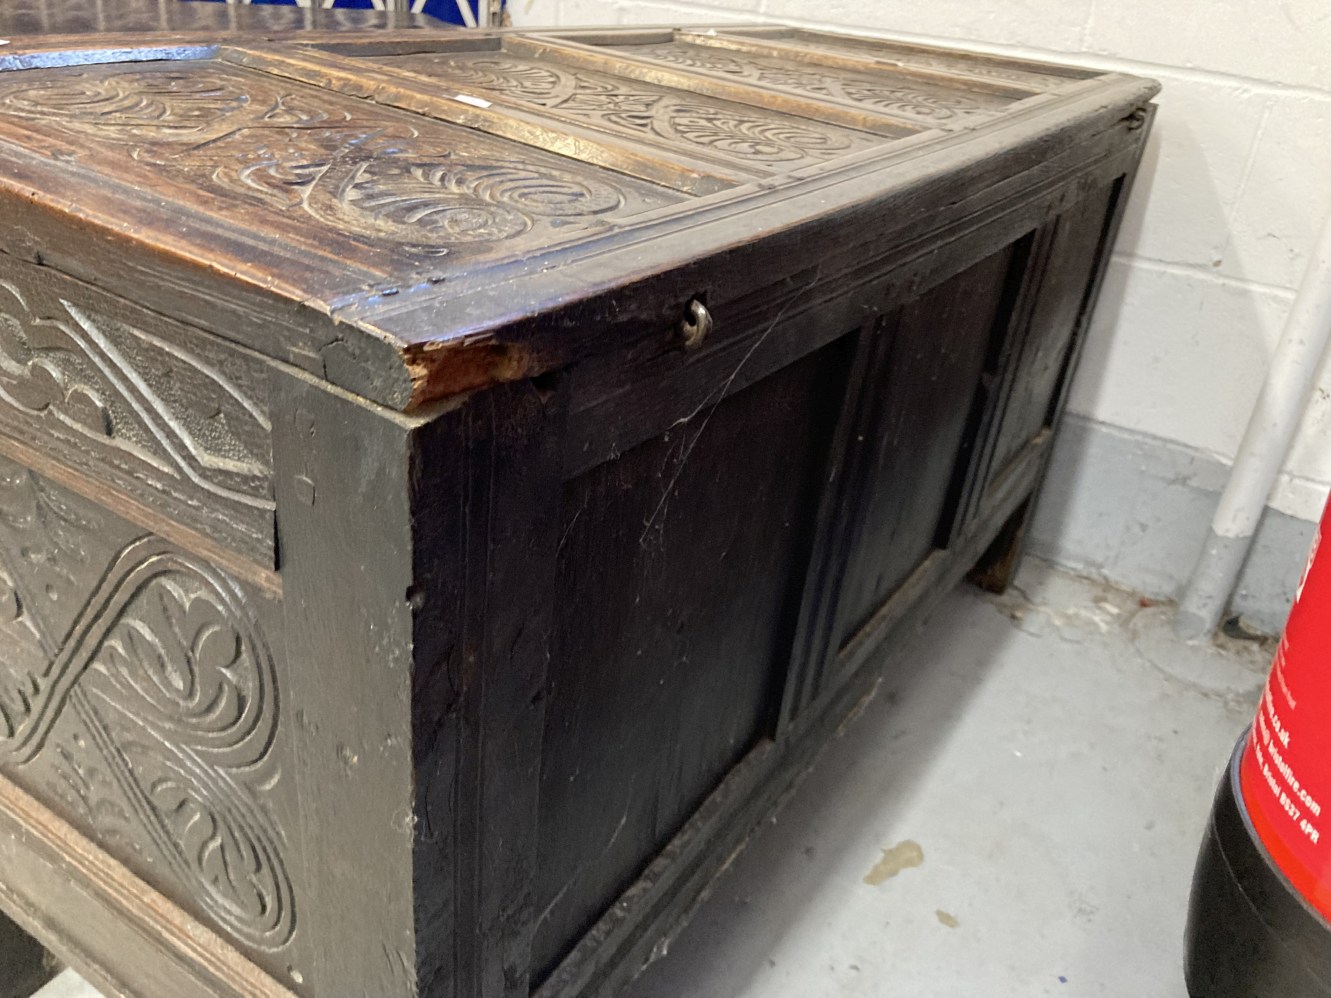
(1133, 509)
(1237, 179)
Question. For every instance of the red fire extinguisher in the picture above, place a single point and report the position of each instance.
(1259, 920)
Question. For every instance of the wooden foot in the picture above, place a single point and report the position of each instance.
(998, 565)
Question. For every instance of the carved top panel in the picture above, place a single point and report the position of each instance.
(901, 96)
(348, 181)
(885, 52)
(742, 133)
(396, 214)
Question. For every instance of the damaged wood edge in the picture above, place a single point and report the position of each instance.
(364, 355)
(107, 916)
(441, 370)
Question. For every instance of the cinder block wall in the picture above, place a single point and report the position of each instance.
(1236, 181)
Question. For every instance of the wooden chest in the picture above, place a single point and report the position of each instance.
(452, 483)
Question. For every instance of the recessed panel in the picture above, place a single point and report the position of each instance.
(680, 575)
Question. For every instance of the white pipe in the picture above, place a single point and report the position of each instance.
(1271, 428)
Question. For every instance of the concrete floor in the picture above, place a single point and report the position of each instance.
(1049, 767)
(1017, 817)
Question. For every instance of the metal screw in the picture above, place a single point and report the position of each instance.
(696, 325)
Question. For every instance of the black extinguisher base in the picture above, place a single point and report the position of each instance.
(1249, 933)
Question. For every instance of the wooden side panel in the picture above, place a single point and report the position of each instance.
(419, 557)
(122, 936)
(487, 532)
(345, 532)
(923, 377)
(1038, 368)
(680, 571)
(1027, 434)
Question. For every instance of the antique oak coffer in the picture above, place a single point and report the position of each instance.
(451, 483)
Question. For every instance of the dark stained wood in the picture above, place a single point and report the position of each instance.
(657, 906)
(997, 567)
(925, 369)
(511, 470)
(894, 498)
(451, 484)
(347, 565)
(25, 962)
(657, 635)
(1063, 300)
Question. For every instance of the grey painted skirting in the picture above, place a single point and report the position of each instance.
(1134, 510)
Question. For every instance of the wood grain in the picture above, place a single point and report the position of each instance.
(409, 237)
(451, 484)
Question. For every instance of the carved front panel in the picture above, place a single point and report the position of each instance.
(139, 697)
(900, 96)
(352, 182)
(744, 134)
(169, 417)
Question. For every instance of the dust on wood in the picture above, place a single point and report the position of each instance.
(901, 856)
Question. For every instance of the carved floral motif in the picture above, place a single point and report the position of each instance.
(902, 97)
(99, 378)
(734, 130)
(128, 105)
(148, 707)
(376, 178)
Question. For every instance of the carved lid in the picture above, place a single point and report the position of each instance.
(412, 214)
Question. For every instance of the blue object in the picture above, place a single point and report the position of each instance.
(444, 10)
